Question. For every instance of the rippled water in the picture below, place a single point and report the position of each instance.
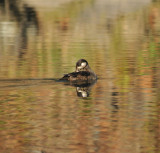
(42, 40)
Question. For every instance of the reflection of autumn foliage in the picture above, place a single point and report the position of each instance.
(153, 19)
(63, 24)
(122, 113)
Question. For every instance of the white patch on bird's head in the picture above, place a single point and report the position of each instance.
(83, 64)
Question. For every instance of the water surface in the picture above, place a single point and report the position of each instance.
(41, 41)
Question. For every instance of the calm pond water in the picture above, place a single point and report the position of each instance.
(42, 40)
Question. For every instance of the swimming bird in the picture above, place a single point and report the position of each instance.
(82, 73)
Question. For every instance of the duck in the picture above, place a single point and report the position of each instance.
(83, 72)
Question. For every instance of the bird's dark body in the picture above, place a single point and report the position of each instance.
(83, 73)
(74, 76)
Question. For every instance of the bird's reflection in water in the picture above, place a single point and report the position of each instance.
(83, 89)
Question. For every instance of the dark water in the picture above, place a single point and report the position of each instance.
(42, 40)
